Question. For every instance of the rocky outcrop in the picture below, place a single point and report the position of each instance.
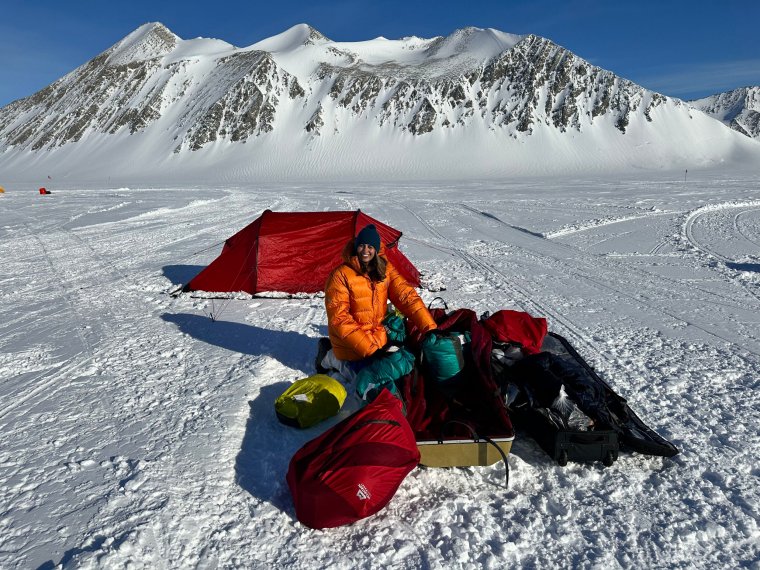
(239, 100)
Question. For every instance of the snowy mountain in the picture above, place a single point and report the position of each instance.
(739, 109)
(479, 102)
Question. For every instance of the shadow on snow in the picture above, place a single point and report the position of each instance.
(181, 274)
(292, 349)
(268, 445)
(94, 545)
(749, 267)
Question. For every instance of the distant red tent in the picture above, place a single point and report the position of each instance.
(293, 252)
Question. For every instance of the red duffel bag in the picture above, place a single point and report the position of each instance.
(353, 469)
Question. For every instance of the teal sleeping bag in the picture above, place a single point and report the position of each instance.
(382, 372)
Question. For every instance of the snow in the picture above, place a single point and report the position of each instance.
(410, 56)
(137, 432)
(739, 109)
(364, 152)
(199, 48)
(144, 43)
(477, 42)
(288, 40)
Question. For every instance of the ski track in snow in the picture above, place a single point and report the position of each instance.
(702, 216)
(135, 431)
(746, 233)
(707, 231)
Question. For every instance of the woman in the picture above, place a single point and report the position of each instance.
(356, 298)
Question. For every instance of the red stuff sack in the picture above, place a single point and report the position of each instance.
(353, 470)
(519, 327)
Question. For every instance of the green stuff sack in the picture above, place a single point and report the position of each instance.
(395, 328)
(444, 356)
(310, 400)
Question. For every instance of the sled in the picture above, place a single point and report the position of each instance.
(465, 424)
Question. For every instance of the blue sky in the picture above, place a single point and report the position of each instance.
(686, 49)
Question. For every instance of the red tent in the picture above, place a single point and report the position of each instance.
(293, 252)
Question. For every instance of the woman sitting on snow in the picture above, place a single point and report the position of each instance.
(356, 298)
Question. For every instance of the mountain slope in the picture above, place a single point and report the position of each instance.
(479, 102)
(739, 109)
(136, 82)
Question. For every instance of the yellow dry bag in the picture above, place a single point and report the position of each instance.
(310, 400)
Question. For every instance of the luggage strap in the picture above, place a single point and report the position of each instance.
(476, 437)
(442, 300)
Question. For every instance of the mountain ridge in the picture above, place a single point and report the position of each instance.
(146, 42)
(306, 93)
(739, 109)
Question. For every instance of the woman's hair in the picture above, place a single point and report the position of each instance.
(376, 268)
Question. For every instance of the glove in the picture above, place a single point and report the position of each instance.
(430, 334)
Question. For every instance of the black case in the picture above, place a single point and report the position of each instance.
(565, 445)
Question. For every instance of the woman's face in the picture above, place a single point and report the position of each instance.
(365, 252)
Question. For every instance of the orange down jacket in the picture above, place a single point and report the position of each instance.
(356, 307)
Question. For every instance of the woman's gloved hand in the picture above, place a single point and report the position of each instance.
(430, 335)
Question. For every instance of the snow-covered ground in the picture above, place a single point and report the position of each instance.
(137, 432)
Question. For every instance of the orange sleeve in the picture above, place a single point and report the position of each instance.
(405, 299)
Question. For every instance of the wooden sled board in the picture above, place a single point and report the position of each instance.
(462, 452)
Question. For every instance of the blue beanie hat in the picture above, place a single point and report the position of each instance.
(369, 236)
